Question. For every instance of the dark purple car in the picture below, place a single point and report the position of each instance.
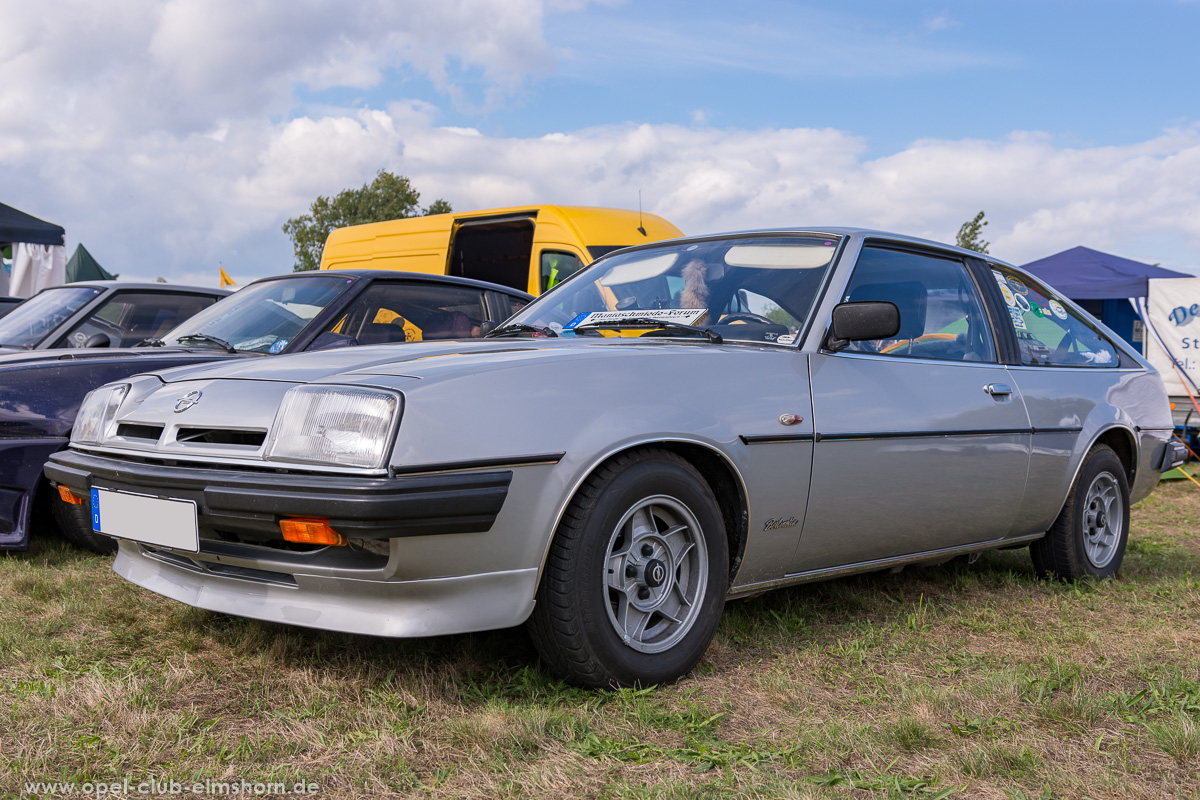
(41, 391)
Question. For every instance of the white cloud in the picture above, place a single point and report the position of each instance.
(163, 134)
(940, 23)
(115, 68)
(196, 200)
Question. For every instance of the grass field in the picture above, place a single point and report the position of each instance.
(966, 680)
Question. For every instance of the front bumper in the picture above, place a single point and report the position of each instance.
(430, 607)
(244, 568)
(252, 502)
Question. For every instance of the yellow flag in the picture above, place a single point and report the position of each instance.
(225, 279)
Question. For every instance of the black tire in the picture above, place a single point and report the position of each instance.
(1088, 539)
(75, 524)
(606, 532)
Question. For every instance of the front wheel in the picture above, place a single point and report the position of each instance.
(636, 575)
(1088, 538)
(75, 523)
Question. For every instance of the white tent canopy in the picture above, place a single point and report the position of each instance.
(36, 267)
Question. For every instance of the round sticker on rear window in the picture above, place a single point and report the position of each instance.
(1057, 309)
(278, 346)
(1009, 297)
(1017, 286)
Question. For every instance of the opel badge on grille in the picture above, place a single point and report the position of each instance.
(188, 400)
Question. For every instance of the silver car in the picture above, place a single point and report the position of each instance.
(679, 424)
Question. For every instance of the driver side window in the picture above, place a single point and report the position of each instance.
(941, 313)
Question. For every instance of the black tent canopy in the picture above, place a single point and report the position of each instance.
(17, 226)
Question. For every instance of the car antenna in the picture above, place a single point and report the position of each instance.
(641, 229)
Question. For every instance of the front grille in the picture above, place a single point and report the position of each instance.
(220, 436)
(149, 433)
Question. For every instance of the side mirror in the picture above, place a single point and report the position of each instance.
(486, 327)
(98, 340)
(856, 322)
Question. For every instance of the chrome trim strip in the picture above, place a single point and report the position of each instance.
(871, 566)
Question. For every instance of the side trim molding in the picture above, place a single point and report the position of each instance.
(882, 563)
(482, 463)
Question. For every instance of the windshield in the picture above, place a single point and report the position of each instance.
(753, 289)
(37, 317)
(262, 318)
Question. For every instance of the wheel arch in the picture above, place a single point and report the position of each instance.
(1122, 441)
(717, 471)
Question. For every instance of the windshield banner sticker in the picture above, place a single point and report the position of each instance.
(685, 316)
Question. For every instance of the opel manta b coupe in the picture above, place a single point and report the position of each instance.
(677, 424)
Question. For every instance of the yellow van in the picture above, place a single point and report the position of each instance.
(530, 248)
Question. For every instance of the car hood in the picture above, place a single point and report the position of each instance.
(380, 364)
(10, 357)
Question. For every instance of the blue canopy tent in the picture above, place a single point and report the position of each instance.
(1101, 283)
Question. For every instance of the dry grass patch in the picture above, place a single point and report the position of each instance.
(967, 680)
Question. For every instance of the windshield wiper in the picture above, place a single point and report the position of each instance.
(520, 327)
(151, 342)
(648, 322)
(207, 337)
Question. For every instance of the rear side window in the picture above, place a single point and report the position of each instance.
(941, 313)
(1049, 333)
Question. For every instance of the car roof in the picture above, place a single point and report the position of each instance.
(151, 287)
(394, 274)
(833, 230)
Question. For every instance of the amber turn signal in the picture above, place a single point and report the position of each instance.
(305, 530)
(68, 496)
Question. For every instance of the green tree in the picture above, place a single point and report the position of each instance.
(970, 235)
(387, 197)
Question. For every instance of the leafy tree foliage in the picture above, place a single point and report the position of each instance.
(387, 197)
(970, 235)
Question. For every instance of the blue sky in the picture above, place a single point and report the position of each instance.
(181, 134)
(892, 72)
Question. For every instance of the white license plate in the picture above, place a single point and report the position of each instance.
(152, 520)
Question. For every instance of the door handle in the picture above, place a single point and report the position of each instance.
(997, 389)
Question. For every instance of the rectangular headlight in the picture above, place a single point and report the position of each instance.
(97, 413)
(338, 425)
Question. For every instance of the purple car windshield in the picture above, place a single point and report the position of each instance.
(262, 318)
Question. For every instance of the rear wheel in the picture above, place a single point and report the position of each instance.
(1090, 534)
(636, 576)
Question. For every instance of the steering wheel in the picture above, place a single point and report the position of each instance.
(744, 316)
